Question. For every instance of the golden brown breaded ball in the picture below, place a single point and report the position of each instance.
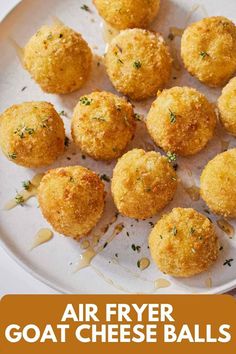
(138, 63)
(218, 184)
(58, 59)
(181, 120)
(143, 183)
(123, 14)
(183, 243)
(208, 49)
(72, 200)
(32, 134)
(102, 125)
(227, 107)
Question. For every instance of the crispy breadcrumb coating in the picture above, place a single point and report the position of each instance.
(58, 59)
(103, 124)
(183, 243)
(123, 14)
(138, 63)
(143, 183)
(227, 107)
(218, 184)
(32, 134)
(208, 49)
(72, 200)
(181, 120)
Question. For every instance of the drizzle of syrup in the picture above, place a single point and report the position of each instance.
(144, 263)
(26, 194)
(42, 236)
(162, 283)
(87, 256)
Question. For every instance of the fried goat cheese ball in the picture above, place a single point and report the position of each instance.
(58, 59)
(143, 183)
(218, 184)
(32, 134)
(183, 243)
(123, 14)
(227, 107)
(138, 63)
(71, 200)
(208, 50)
(102, 125)
(181, 120)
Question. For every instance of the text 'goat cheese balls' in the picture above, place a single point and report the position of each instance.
(227, 107)
(58, 59)
(208, 49)
(183, 243)
(143, 183)
(181, 120)
(32, 134)
(72, 200)
(123, 14)
(138, 63)
(102, 125)
(218, 184)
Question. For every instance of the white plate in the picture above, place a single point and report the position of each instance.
(54, 261)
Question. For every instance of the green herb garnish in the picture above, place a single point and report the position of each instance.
(228, 262)
(26, 185)
(19, 199)
(63, 113)
(192, 230)
(171, 156)
(44, 123)
(85, 101)
(12, 156)
(85, 8)
(135, 248)
(106, 178)
(172, 117)
(101, 119)
(137, 64)
(30, 131)
(175, 231)
(204, 55)
(138, 117)
(22, 131)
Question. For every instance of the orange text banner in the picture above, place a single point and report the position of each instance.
(104, 323)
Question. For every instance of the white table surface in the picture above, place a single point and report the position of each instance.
(13, 279)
